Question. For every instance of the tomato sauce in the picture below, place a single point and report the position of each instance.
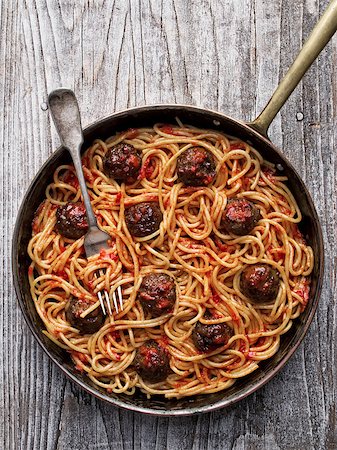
(62, 274)
(147, 169)
(269, 173)
(303, 290)
(131, 133)
(71, 178)
(237, 146)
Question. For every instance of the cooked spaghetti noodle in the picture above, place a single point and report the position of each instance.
(205, 261)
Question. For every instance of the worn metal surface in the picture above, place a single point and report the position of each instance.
(225, 55)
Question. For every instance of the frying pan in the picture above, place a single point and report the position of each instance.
(254, 133)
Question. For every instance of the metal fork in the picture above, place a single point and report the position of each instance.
(66, 116)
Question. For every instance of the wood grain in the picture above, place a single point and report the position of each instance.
(220, 54)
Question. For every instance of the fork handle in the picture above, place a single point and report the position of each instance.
(64, 110)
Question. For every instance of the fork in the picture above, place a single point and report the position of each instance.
(66, 116)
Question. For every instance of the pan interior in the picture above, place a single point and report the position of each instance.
(145, 117)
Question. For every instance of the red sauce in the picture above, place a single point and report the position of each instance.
(237, 146)
(303, 290)
(30, 271)
(277, 254)
(114, 334)
(35, 226)
(105, 255)
(39, 210)
(82, 357)
(297, 234)
(151, 198)
(50, 212)
(118, 198)
(269, 173)
(216, 298)
(243, 348)
(131, 133)
(164, 341)
(204, 375)
(216, 315)
(147, 169)
(62, 274)
(79, 356)
(224, 247)
(180, 384)
(233, 315)
(285, 211)
(85, 161)
(71, 178)
(167, 129)
(245, 183)
(78, 294)
(88, 175)
(189, 243)
(261, 341)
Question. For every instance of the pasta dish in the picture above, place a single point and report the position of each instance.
(205, 246)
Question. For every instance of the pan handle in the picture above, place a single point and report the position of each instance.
(319, 37)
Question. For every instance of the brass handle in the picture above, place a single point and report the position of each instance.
(319, 37)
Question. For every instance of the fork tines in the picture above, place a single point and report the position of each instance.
(104, 300)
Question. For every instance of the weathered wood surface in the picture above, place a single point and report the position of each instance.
(225, 55)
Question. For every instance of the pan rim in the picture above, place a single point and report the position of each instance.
(185, 411)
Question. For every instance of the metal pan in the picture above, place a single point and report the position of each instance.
(254, 133)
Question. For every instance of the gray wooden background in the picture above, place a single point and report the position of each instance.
(226, 55)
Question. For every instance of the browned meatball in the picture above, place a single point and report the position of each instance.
(240, 216)
(122, 163)
(157, 294)
(207, 337)
(88, 324)
(196, 167)
(143, 219)
(152, 362)
(260, 282)
(71, 220)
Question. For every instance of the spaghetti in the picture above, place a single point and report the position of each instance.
(190, 246)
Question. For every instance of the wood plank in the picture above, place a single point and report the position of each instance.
(227, 56)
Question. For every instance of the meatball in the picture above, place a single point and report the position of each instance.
(71, 220)
(207, 337)
(122, 163)
(240, 216)
(260, 282)
(157, 294)
(196, 167)
(152, 362)
(88, 324)
(143, 219)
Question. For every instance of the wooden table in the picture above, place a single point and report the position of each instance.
(226, 55)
